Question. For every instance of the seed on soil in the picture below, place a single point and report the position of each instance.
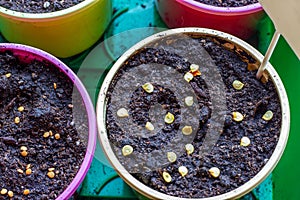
(187, 130)
(238, 85)
(3, 191)
(237, 116)
(10, 194)
(51, 174)
(46, 4)
(189, 148)
(188, 76)
(149, 126)
(51, 169)
(26, 192)
(268, 115)
(182, 170)
(214, 171)
(8, 75)
(245, 141)
(28, 166)
(46, 134)
(148, 87)
(189, 101)
(24, 153)
(194, 67)
(70, 105)
(51, 133)
(23, 148)
(172, 157)
(28, 171)
(17, 120)
(54, 86)
(122, 112)
(20, 171)
(169, 118)
(57, 136)
(21, 108)
(127, 150)
(167, 177)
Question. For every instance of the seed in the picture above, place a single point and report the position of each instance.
(28, 171)
(23, 148)
(214, 171)
(183, 170)
(194, 67)
(54, 86)
(28, 166)
(51, 169)
(57, 136)
(127, 150)
(167, 177)
(46, 134)
(51, 133)
(8, 75)
(51, 174)
(187, 130)
(189, 101)
(149, 126)
(21, 108)
(245, 141)
(3, 191)
(24, 153)
(148, 87)
(169, 118)
(188, 76)
(122, 112)
(268, 115)
(70, 105)
(189, 148)
(238, 85)
(17, 120)
(20, 171)
(26, 192)
(237, 116)
(46, 4)
(171, 156)
(10, 194)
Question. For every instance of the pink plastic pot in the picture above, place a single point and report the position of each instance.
(238, 21)
(27, 54)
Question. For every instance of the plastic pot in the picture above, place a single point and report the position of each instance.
(238, 21)
(153, 194)
(27, 54)
(62, 33)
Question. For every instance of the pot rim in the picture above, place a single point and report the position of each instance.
(236, 193)
(242, 10)
(91, 145)
(50, 15)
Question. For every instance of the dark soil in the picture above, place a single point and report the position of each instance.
(228, 3)
(31, 85)
(238, 164)
(38, 6)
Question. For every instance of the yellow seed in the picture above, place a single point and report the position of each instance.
(26, 192)
(8, 75)
(268, 115)
(245, 141)
(183, 170)
(238, 85)
(148, 87)
(51, 133)
(188, 76)
(21, 108)
(189, 148)
(28, 166)
(172, 157)
(57, 136)
(237, 116)
(20, 171)
(24, 153)
(194, 67)
(28, 171)
(10, 194)
(127, 150)
(51, 174)
(169, 118)
(3, 191)
(17, 120)
(51, 169)
(214, 171)
(167, 177)
(149, 126)
(54, 86)
(189, 101)
(46, 134)
(187, 130)
(23, 148)
(122, 112)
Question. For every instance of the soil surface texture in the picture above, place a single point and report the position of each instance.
(228, 3)
(237, 162)
(38, 6)
(41, 150)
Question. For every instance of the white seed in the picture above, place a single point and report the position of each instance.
(194, 67)
(169, 118)
(127, 150)
(214, 171)
(148, 87)
(167, 177)
(189, 148)
(245, 141)
(8, 75)
(268, 115)
(237, 116)
(189, 101)
(187, 130)
(46, 4)
(122, 112)
(172, 157)
(188, 76)
(183, 170)
(238, 85)
(149, 126)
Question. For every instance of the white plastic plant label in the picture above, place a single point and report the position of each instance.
(285, 14)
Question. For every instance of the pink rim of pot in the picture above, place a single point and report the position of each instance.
(28, 53)
(221, 10)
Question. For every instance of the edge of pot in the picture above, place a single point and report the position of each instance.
(153, 194)
(92, 128)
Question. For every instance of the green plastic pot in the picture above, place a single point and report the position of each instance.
(62, 33)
